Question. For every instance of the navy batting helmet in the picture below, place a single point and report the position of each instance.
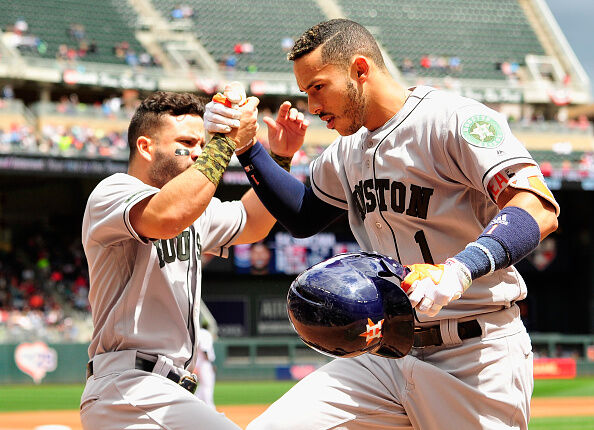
(351, 304)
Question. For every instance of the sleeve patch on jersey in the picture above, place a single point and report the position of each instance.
(497, 184)
(482, 131)
(531, 179)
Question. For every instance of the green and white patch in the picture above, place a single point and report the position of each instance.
(482, 131)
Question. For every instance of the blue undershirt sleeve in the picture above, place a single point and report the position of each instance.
(293, 204)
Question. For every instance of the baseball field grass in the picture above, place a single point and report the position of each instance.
(15, 398)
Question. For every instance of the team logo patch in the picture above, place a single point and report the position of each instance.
(374, 331)
(482, 131)
(36, 359)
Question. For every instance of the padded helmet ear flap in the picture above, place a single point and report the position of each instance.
(351, 304)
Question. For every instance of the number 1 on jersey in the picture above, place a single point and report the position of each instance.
(422, 241)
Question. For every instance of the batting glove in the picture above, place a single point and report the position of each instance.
(222, 113)
(432, 286)
(219, 118)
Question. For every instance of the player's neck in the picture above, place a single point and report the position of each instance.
(387, 100)
(135, 170)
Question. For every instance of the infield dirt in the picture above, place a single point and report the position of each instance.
(242, 415)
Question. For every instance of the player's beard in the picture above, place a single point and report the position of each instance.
(355, 109)
(164, 168)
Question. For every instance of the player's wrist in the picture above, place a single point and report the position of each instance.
(462, 272)
(282, 160)
(241, 149)
(215, 157)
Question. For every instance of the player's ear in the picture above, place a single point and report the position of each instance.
(145, 147)
(360, 68)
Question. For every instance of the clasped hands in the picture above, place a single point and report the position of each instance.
(286, 133)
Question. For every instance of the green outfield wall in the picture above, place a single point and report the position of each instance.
(264, 358)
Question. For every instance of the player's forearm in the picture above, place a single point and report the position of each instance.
(183, 199)
(179, 203)
(259, 220)
(540, 209)
(288, 200)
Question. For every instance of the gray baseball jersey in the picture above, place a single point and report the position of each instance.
(145, 294)
(417, 188)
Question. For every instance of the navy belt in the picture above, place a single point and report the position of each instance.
(431, 336)
(189, 382)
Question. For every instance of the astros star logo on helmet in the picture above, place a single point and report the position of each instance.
(374, 331)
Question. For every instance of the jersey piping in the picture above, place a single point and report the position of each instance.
(232, 238)
(326, 194)
(374, 175)
(505, 161)
(192, 296)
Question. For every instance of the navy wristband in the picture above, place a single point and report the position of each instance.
(516, 230)
(508, 238)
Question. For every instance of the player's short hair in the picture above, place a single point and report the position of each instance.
(340, 40)
(148, 116)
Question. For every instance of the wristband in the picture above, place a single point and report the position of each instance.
(515, 230)
(284, 162)
(487, 253)
(215, 157)
(508, 238)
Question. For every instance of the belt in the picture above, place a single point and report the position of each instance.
(189, 382)
(431, 336)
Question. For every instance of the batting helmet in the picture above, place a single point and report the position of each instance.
(351, 304)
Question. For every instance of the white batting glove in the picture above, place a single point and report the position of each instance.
(219, 118)
(430, 287)
(222, 113)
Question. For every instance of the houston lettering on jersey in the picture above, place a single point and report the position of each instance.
(177, 248)
(393, 195)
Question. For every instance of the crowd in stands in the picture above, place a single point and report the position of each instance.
(509, 68)
(79, 46)
(441, 63)
(123, 51)
(182, 11)
(43, 289)
(240, 49)
(451, 65)
(60, 140)
(110, 107)
(83, 140)
(19, 37)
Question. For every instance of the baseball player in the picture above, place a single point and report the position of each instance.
(439, 183)
(205, 367)
(144, 233)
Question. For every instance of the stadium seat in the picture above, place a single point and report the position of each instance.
(104, 23)
(262, 23)
(479, 33)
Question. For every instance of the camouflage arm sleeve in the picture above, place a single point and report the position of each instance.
(284, 162)
(215, 157)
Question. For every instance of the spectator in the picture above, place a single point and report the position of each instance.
(287, 44)
(177, 12)
(425, 62)
(21, 26)
(187, 11)
(408, 67)
(7, 92)
(455, 64)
